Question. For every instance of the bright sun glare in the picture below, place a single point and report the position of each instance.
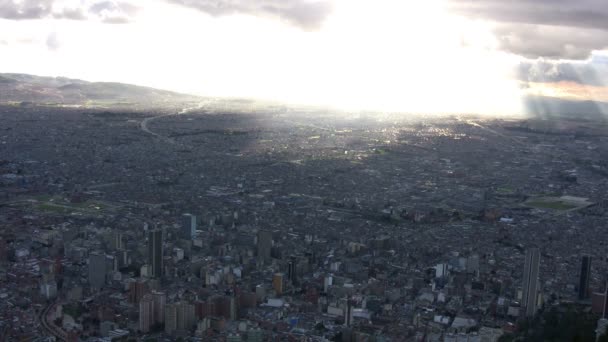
(390, 55)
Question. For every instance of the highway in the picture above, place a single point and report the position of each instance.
(52, 329)
(144, 125)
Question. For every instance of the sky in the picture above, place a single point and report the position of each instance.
(479, 56)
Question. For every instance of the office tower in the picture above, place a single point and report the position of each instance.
(160, 300)
(170, 318)
(441, 270)
(605, 304)
(260, 293)
(179, 317)
(186, 318)
(264, 245)
(348, 313)
(188, 229)
(233, 309)
(292, 270)
(473, 264)
(146, 313)
(583, 284)
(122, 258)
(155, 252)
(118, 240)
(48, 289)
(328, 281)
(3, 250)
(112, 263)
(137, 290)
(530, 284)
(278, 281)
(97, 270)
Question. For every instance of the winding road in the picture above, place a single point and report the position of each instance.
(53, 330)
(144, 125)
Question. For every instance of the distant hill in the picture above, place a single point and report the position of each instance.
(61, 90)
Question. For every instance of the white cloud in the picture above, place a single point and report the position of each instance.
(560, 29)
(308, 14)
(108, 11)
(52, 42)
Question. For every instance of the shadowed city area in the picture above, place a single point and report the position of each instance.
(291, 210)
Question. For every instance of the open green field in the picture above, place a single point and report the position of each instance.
(505, 191)
(557, 203)
(58, 205)
(549, 205)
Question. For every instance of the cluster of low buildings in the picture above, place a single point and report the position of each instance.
(271, 227)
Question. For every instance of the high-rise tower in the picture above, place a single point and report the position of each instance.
(583, 285)
(188, 229)
(530, 284)
(155, 252)
(98, 269)
(264, 245)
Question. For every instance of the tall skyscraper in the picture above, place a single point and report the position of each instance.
(3, 250)
(348, 313)
(188, 229)
(292, 270)
(98, 268)
(155, 252)
(146, 313)
(530, 284)
(264, 245)
(583, 284)
(605, 305)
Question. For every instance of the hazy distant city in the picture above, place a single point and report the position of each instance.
(206, 219)
(303, 171)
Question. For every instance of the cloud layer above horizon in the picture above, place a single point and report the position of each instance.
(431, 45)
(107, 11)
(554, 29)
(559, 29)
(307, 14)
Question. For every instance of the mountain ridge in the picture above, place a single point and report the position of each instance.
(15, 87)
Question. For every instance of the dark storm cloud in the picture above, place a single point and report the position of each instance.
(557, 42)
(308, 14)
(106, 11)
(543, 28)
(571, 13)
(592, 72)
